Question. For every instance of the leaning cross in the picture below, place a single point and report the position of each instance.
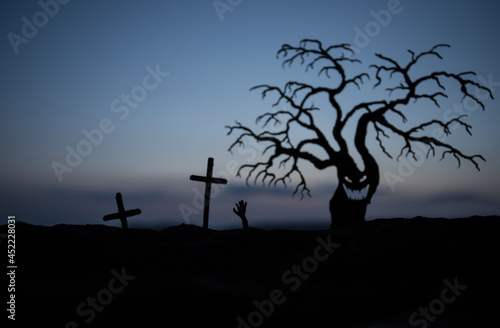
(208, 187)
(121, 214)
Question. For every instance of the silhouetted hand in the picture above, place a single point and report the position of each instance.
(240, 210)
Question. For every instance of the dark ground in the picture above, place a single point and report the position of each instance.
(382, 272)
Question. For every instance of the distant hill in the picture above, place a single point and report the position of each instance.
(372, 274)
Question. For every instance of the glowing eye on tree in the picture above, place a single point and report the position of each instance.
(347, 179)
(363, 178)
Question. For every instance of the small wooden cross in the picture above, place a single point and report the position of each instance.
(121, 214)
(208, 187)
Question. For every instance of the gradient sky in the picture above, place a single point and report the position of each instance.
(70, 75)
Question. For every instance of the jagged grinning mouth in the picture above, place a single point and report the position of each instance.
(354, 194)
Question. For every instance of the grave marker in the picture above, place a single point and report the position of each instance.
(121, 214)
(208, 179)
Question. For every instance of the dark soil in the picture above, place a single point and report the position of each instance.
(378, 274)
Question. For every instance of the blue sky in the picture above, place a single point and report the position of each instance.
(70, 75)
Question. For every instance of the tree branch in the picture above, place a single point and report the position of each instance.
(431, 142)
(262, 170)
(315, 49)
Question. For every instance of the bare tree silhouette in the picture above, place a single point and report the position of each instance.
(356, 186)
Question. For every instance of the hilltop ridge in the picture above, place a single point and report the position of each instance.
(379, 272)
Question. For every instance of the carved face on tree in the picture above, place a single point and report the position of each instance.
(355, 188)
(354, 183)
(357, 185)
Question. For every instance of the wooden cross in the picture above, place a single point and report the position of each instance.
(208, 188)
(121, 214)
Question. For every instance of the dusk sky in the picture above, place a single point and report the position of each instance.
(191, 64)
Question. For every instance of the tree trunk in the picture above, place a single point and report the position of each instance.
(345, 211)
(353, 193)
(355, 188)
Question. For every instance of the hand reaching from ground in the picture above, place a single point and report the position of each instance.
(240, 210)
